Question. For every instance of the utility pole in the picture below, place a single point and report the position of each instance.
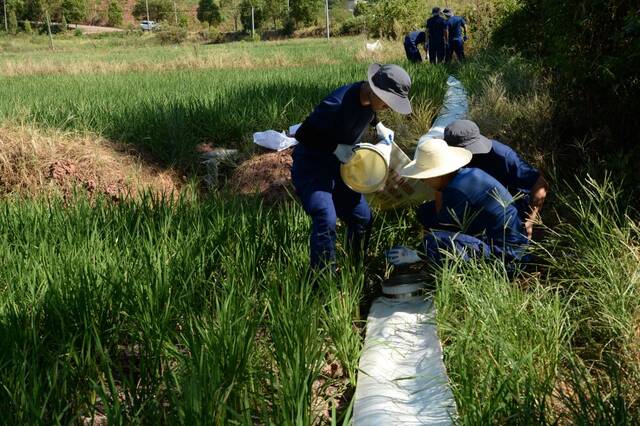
(6, 26)
(175, 11)
(49, 28)
(326, 9)
(146, 3)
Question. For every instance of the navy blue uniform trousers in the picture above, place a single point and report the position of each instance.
(413, 54)
(455, 46)
(436, 52)
(325, 197)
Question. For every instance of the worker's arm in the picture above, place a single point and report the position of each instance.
(538, 195)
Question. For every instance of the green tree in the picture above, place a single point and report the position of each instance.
(245, 14)
(209, 12)
(274, 10)
(63, 23)
(74, 10)
(159, 10)
(12, 22)
(304, 11)
(34, 10)
(114, 14)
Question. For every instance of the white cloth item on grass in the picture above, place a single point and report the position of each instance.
(372, 47)
(402, 379)
(454, 107)
(273, 140)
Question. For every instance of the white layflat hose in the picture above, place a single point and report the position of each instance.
(402, 378)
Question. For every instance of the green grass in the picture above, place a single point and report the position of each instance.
(201, 310)
(168, 113)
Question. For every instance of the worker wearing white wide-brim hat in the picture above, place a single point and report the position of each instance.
(474, 215)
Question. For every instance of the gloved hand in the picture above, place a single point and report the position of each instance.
(344, 152)
(385, 134)
(401, 255)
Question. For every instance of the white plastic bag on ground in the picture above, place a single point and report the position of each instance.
(372, 47)
(273, 140)
(402, 379)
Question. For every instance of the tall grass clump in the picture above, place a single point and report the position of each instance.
(594, 256)
(165, 311)
(504, 343)
(510, 100)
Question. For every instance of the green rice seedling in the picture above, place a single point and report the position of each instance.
(503, 345)
(297, 345)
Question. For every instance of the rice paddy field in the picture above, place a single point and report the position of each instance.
(200, 308)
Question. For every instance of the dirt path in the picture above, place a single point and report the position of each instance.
(92, 29)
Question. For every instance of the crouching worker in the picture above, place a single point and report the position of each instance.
(473, 214)
(522, 180)
(411, 43)
(327, 138)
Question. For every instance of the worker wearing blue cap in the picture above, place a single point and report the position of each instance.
(474, 215)
(411, 43)
(456, 35)
(523, 181)
(327, 138)
(436, 36)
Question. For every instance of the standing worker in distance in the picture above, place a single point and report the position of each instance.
(327, 138)
(436, 36)
(523, 181)
(455, 27)
(411, 43)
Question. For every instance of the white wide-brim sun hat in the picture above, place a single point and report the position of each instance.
(435, 158)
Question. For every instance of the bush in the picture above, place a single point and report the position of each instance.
(114, 14)
(170, 34)
(288, 26)
(209, 12)
(214, 35)
(245, 14)
(64, 24)
(12, 23)
(78, 32)
(354, 25)
(392, 18)
(159, 10)
(27, 27)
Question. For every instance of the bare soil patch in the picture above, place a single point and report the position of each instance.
(35, 162)
(267, 175)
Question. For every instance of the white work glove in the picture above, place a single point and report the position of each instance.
(401, 255)
(344, 152)
(384, 133)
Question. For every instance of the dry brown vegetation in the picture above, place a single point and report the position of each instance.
(35, 162)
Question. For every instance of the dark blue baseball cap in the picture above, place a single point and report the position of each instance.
(466, 134)
(391, 83)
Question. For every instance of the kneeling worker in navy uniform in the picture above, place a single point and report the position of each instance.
(411, 43)
(523, 181)
(473, 217)
(327, 138)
